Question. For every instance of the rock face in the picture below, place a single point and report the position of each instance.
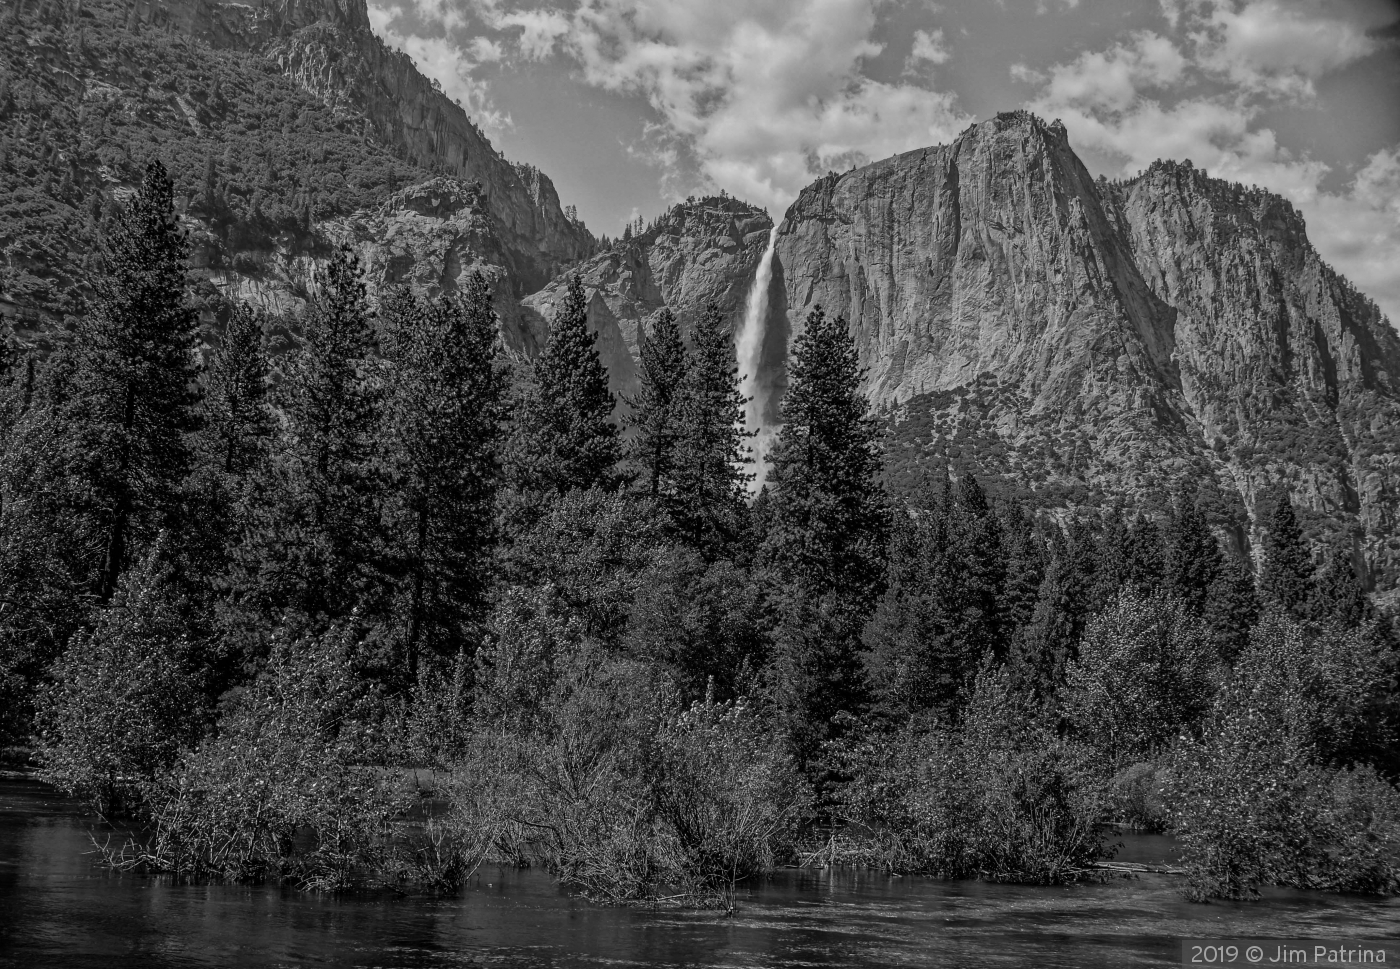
(699, 252)
(1286, 368)
(1119, 335)
(327, 46)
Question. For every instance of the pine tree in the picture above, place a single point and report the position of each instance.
(564, 436)
(1025, 570)
(1231, 607)
(133, 395)
(1287, 576)
(829, 519)
(237, 420)
(655, 416)
(1145, 558)
(318, 542)
(1111, 557)
(440, 435)
(1193, 554)
(1338, 596)
(708, 498)
(1043, 647)
(938, 620)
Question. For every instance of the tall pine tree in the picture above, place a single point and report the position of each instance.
(318, 544)
(828, 517)
(708, 497)
(1193, 554)
(133, 386)
(1287, 580)
(655, 416)
(439, 440)
(564, 435)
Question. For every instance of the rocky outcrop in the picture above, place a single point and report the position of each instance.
(1292, 375)
(699, 252)
(327, 46)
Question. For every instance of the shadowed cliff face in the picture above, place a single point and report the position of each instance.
(327, 47)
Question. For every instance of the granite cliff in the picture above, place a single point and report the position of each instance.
(1096, 340)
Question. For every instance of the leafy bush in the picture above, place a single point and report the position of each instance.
(124, 702)
(286, 790)
(1002, 797)
(1254, 802)
(626, 796)
(1146, 670)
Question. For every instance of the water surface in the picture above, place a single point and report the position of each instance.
(58, 909)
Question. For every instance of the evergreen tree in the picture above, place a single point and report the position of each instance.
(829, 521)
(1145, 558)
(1287, 576)
(1025, 570)
(133, 400)
(440, 435)
(938, 620)
(1193, 555)
(708, 500)
(564, 436)
(1047, 642)
(237, 420)
(317, 547)
(1231, 607)
(1338, 596)
(655, 416)
(1111, 558)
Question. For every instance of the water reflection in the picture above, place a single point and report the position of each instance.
(59, 910)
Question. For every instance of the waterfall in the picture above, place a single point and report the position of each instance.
(750, 353)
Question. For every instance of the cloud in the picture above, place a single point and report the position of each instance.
(1273, 47)
(753, 96)
(1110, 79)
(928, 46)
(442, 60)
(1146, 98)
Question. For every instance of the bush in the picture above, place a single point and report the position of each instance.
(1002, 797)
(1254, 800)
(123, 703)
(1146, 671)
(286, 790)
(625, 796)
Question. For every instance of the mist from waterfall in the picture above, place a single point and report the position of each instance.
(749, 347)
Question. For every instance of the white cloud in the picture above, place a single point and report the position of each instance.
(1110, 79)
(443, 61)
(1146, 99)
(929, 46)
(1274, 47)
(753, 96)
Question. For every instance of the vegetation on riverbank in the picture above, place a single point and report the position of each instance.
(241, 597)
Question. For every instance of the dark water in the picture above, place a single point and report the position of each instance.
(57, 909)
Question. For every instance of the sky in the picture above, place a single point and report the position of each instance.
(632, 105)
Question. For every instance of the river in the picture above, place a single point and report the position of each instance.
(58, 909)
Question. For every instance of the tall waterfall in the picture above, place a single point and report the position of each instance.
(750, 354)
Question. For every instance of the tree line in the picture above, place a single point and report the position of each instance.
(233, 582)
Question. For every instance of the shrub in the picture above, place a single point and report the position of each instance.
(1002, 797)
(1146, 670)
(123, 703)
(1254, 800)
(625, 796)
(286, 790)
